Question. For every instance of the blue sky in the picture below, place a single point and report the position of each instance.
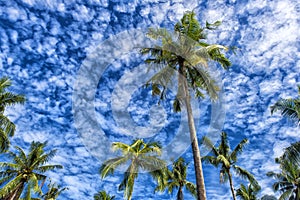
(45, 44)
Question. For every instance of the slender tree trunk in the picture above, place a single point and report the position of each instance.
(15, 195)
(297, 192)
(231, 185)
(180, 194)
(201, 194)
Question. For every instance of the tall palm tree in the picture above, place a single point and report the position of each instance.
(288, 108)
(176, 179)
(288, 180)
(141, 156)
(227, 159)
(102, 195)
(25, 172)
(7, 128)
(247, 192)
(187, 54)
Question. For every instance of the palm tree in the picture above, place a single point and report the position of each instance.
(177, 180)
(186, 54)
(222, 155)
(288, 180)
(288, 108)
(247, 192)
(7, 128)
(141, 156)
(102, 195)
(25, 172)
(53, 192)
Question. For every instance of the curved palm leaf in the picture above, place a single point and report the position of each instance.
(288, 108)
(238, 149)
(292, 153)
(247, 193)
(102, 195)
(7, 128)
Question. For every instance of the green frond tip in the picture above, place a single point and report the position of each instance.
(213, 26)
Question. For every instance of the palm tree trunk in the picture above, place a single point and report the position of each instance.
(201, 194)
(297, 192)
(231, 185)
(15, 195)
(180, 194)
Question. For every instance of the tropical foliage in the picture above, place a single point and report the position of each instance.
(102, 195)
(25, 172)
(288, 108)
(288, 179)
(247, 192)
(222, 156)
(184, 56)
(7, 128)
(53, 192)
(176, 179)
(141, 157)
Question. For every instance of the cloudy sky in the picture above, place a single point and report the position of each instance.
(78, 65)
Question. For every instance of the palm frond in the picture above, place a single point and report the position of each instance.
(242, 192)
(7, 126)
(292, 153)
(201, 80)
(222, 159)
(246, 175)
(44, 158)
(215, 54)
(4, 141)
(191, 187)
(286, 195)
(238, 149)
(163, 79)
(5, 82)
(211, 160)
(151, 147)
(9, 99)
(46, 168)
(224, 148)
(109, 166)
(213, 26)
(102, 195)
(288, 108)
(209, 145)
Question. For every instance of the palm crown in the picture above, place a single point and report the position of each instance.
(288, 179)
(25, 171)
(141, 156)
(186, 53)
(7, 128)
(227, 159)
(247, 192)
(176, 179)
(102, 195)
